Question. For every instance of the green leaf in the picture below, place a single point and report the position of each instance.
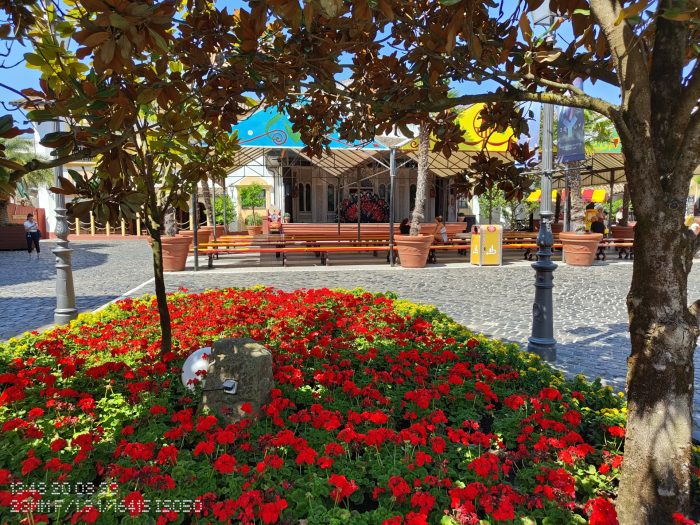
(34, 60)
(118, 21)
(449, 2)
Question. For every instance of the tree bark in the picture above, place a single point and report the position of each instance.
(578, 207)
(206, 195)
(655, 481)
(423, 156)
(161, 296)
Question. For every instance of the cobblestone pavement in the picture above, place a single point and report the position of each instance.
(590, 311)
(102, 271)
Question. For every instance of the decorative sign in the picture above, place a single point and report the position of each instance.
(269, 128)
(474, 139)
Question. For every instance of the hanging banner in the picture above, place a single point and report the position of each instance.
(570, 133)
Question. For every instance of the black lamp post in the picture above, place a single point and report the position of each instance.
(542, 341)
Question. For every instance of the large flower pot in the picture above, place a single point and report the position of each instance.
(202, 237)
(254, 230)
(413, 249)
(210, 232)
(580, 248)
(622, 232)
(175, 252)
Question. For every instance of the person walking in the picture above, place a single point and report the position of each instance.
(31, 229)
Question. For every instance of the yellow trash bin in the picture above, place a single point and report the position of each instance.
(487, 245)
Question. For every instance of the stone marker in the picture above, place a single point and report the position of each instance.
(250, 365)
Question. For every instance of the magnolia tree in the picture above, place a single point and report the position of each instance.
(135, 87)
(400, 60)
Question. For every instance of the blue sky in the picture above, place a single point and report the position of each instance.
(20, 77)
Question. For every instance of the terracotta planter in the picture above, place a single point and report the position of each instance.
(557, 227)
(202, 237)
(622, 232)
(413, 249)
(580, 248)
(175, 251)
(254, 230)
(210, 230)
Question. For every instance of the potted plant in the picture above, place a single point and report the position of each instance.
(253, 196)
(414, 248)
(253, 224)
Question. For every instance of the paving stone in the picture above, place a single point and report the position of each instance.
(590, 313)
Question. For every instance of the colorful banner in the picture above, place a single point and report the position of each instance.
(269, 128)
(570, 133)
(473, 139)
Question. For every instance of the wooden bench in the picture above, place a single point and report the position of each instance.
(526, 241)
(321, 247)
(624, 247)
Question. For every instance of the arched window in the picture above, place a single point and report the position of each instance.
(331, 197)
(412, 197)
(307, 200)
(300, 195)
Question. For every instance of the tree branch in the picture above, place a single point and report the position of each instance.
(576, 101)
(36, 164)
(628, 58)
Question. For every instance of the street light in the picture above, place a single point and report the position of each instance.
(542, 341)
(65, 292)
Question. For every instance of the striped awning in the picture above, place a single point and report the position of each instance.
(536, 196)
(594, 195)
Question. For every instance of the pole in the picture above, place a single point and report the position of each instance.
(359, 204)
(337, 203)
(392, 218)
(542, 341)
(213, 206)
(567, 203)
(195, 229)
(65, 292)
(223, 204)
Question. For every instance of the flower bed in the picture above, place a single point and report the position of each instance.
(383, 412)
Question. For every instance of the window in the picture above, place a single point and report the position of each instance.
(412, 197)
(307, 200)
(366, 184)
(331, 197)
(382, 191)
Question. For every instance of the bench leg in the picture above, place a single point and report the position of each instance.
(210, 261)
(324, 258)
(526, 255)
(432, 259)
(284, 259)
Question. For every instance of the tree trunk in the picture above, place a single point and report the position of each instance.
(578, 207)
(161, 296)
(655, 479)
(206, 195)
(423, 157)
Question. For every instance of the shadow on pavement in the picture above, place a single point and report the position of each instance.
(19, 268)
(21, 314)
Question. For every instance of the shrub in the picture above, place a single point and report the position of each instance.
(254, 219)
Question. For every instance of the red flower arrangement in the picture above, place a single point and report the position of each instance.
(383, 412)
(372, 208)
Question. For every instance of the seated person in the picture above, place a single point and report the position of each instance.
(404, 227)
(440, 233)
(598, 225)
